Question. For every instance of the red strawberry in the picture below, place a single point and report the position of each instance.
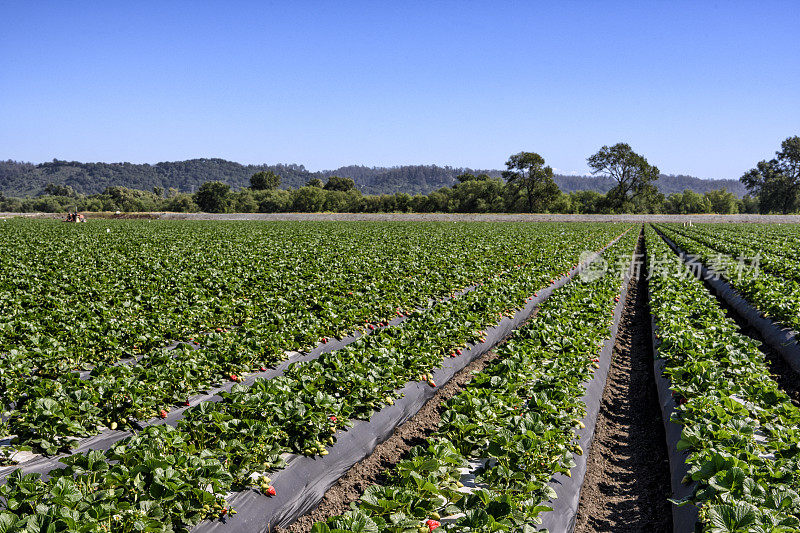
(324, 340)
(162, 414)
(233, 377)
(263, 369)
(458, 351)
(186, 403)
(332, 418)
(432, 524)
(271, 491)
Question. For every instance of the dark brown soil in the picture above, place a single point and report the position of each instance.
(627, 480)
(372, 470)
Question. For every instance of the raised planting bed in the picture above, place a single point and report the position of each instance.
(739, 432)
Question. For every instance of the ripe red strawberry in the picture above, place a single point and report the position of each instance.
(431, 383)
(432, 524)
(263, 369)
(271, 491)
(234, 377)
(324, 340)
(224, 511)
(162, 414)
(332, 418)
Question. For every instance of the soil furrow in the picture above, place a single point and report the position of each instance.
(372, 470)
(627, 483)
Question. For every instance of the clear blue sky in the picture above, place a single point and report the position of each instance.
(704, 88)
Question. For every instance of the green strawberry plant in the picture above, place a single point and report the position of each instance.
(272, 311)
(518, 415)
(741, 432)
(168, 479)
(774, 289)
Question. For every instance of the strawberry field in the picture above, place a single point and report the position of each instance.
(225, 376)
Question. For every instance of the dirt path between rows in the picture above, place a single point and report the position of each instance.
(372, 470)
(627, 480)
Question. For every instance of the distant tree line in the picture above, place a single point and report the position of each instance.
(527, 185)
(26, 179)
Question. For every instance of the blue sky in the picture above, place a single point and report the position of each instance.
(703, 88)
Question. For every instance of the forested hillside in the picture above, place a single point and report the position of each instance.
(26, 179)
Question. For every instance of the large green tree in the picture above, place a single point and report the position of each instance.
(264, 180)
(635, 177)
(722, 201)
(526, 170)
(213, 197)
(776, 182)
(336, 183)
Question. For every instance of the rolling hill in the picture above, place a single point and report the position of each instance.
(28, 179)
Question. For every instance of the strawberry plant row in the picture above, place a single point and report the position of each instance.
(739, 430)
(57, 406)
(773, 295)
(110, 435)
(251, 428)
(304, 482)
(747, 246)
(514, 427)
(782, 339)
(777, 239)
(106, 291)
